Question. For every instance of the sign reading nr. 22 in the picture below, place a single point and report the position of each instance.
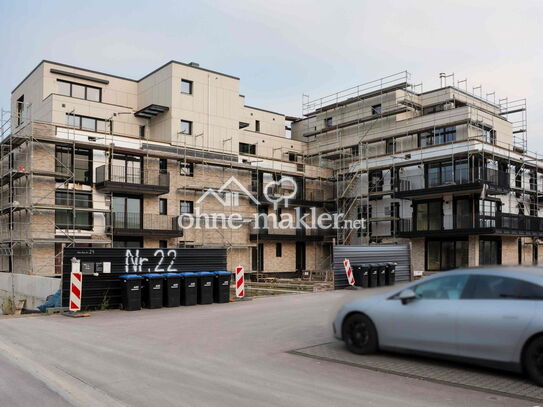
(161, 261)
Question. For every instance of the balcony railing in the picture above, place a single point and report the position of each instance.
(138, 223)
(120, 178)
(501, 223)
(457, 177)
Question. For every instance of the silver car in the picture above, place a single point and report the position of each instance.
(486, 316)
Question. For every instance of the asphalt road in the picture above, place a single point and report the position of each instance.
(212, 355)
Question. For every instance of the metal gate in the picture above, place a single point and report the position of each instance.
(371, 254)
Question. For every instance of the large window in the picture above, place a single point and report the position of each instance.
(489, 251)
(80, 91)
(428, 215)
(88, 123)
(80, 163)
(245, 148)
(126, 168)
(487, 213)
(446, 254)
(463, 213)
(68, 219)
(437, 136)
(127, 212)
(447, 173)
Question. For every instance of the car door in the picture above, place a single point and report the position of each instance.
(426, 323)
(494, 317)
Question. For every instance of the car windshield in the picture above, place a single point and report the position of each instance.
(443, 288)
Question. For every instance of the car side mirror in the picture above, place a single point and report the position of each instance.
(407, 295)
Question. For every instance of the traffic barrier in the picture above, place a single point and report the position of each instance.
(240, 283)
(348, 271)
(76, 283)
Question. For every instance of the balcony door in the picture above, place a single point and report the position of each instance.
(127, 212)
(126, 168)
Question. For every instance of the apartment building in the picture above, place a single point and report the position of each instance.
(98, 160)
(446, 171)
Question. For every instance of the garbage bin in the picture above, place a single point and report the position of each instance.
(189, 288)
(205, 287)
(172, 289)
(373, 270)
(221, 286)
(361, 275)
(153, 285)
(131, 292)
(381, 274)
(391, 273)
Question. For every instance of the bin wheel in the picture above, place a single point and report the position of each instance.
(360, 334)
(533, 360)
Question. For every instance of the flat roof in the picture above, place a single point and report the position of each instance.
(121, 77)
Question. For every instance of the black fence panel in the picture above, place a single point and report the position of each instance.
(102, 267)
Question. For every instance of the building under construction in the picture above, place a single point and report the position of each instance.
(97, 160)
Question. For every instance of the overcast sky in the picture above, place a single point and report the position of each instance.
(282, 49)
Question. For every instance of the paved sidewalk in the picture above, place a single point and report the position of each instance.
(504, 383)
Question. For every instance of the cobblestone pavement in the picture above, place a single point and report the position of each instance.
(456, 374)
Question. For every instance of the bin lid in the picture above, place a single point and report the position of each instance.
(171, 274)
(187, 274)
(203, 273)
(222, 273)
(130, 277)
(152, 275)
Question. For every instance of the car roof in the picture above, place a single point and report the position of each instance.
(528, 273)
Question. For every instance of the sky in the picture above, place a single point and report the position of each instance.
(283, 49)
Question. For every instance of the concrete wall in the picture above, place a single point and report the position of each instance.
(33, 289)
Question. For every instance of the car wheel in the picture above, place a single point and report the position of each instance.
(533, 360)
(360, 334)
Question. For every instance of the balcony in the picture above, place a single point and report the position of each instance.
(137, 224)
(501, 224)
(460, 180)
(131, 181)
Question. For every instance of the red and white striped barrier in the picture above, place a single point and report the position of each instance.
(349, 271)
(76, 282)
(240, 282)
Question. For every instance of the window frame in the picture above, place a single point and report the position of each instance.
(189, 123)
(85, 90)
(66, 197)
(250, 148)
(190, 86)
(188, 167)
(278, 249)
(162, 206)
(190, 206)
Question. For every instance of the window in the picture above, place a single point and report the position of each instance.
(278, 250)
(328, 122)
(504, 288)
(443, 254)
(87, 123)
(433, 109)
(487, 213)
(163, 206)
(186, 207)
(437, 136)
(81, 164)
(126, 168)
(391, 146)
(245, 148)
(292, 157)
(462, 208)
(80, 91)
(257, 125)
(163, 244)
(489, 251)
(447, 172)
(428, 215)
(376, 109)
(142, 131)
(65, 218)
(127, 213)
(186, 86)
(242, 125)
(442, 288)
(186, 127)
(278, 213)
(163, 165)
(20, 110)
(186, 169)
